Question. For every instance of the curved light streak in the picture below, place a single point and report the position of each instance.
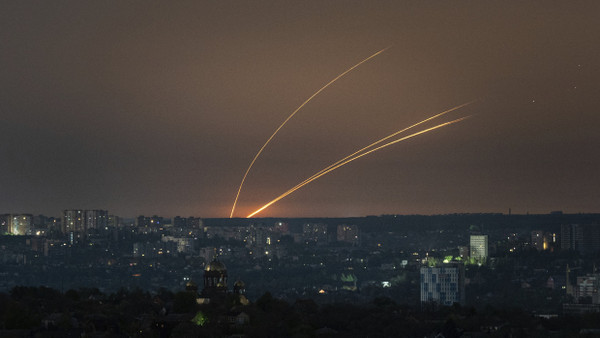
(317, 174)
(289, 117)
(390, 136)
(344, 162)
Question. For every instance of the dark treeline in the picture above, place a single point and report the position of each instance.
(45, 312)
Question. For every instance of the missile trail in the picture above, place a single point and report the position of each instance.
(335, 166)
(289, 117)
(344, 162)
(377, 142)
(390, 136)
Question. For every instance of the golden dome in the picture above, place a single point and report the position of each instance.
(215, 265)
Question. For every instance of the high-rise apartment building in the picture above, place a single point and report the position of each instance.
(20, 224)
(81, 221)
(96, 219)
(348, 234)
(587, 288)
(73, 221)
(479, 247)
(443, 285)
(315, 232)
(584, 238)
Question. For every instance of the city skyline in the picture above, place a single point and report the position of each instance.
(158, 108)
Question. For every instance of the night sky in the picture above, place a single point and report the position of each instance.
(143, 107)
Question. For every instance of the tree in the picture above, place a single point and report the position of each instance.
(184, 302)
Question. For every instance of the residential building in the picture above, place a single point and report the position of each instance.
(584, 238)
(348, 234)
(20, 224)
(479, 247)
(443, 285)
(315, 233)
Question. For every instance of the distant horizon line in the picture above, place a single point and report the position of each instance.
(555, 213)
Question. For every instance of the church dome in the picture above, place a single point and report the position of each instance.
(216, 266)
(215, 279)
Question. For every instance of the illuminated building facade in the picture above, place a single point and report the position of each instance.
(20, 224)
(479, 247)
